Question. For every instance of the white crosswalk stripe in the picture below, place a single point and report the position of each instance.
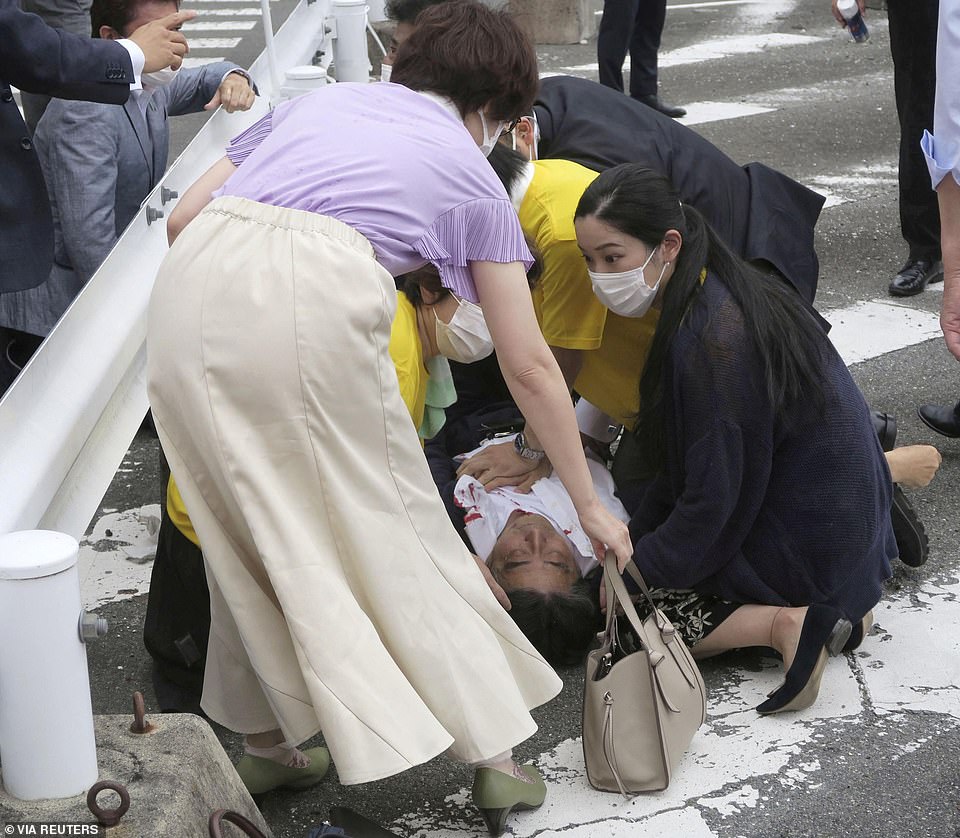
(196, 61)
(219, 25)
(713, 50)
(867, 330)
(213, 43)
(247, 11)
(700, 112)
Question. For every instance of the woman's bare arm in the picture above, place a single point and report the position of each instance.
(537, 386)
(198, 196)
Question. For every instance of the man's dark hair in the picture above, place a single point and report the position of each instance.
(116, 13)
(561, 626)
(424, 277)
(472, 54)
(508, 164)
(406, 11)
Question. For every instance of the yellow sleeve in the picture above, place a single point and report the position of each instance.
(178, 512)
(570, 316)
(407, 355)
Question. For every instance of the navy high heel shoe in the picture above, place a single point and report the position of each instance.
(860, 630)
(825, 631)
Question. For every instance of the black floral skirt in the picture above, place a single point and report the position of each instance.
(693, 615)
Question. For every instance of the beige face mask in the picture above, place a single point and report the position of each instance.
(465, 338)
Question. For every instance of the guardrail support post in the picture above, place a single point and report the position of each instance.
(47, 746)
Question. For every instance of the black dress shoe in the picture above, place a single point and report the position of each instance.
(912, 542)
(825, 631)
(944, 420)
(885, 424)
(914, 276)
(356, 825)
(655, 102)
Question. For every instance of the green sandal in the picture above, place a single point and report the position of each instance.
(497, 795)
(261, 775)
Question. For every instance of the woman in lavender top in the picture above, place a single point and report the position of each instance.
(342, 599)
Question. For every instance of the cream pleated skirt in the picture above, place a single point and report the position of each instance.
(342, 599)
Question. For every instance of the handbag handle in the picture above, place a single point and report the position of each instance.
(617, 594)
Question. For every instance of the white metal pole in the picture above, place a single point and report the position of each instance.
(47, 746)
(275, 79)
(350, 59)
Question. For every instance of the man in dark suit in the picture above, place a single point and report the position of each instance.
(101, 161)
(68, 15)
(913, 47)
(760, 213)
(40, 59)
(633, 26)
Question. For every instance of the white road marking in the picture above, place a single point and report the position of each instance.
(199, 62)
(248, 11)
(218, 25)
(116, 558)
(855, 185)
(214, 43)
(832, 200)
(715, 3)
(700, 112)
(715, 49)
(724, 47)
(917, 667)
(866, 330)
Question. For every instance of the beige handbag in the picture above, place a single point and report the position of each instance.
(643, 696)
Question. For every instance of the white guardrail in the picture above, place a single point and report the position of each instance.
(69, 418)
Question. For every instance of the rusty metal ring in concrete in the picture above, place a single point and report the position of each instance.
(221, 815)
(108, 817)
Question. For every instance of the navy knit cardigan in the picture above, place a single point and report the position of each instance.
(754, 507)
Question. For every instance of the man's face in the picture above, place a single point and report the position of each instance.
(530, 553)
(401, 32)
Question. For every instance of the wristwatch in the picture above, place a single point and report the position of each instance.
(520, 445)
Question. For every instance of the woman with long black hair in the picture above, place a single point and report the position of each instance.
(767, 518)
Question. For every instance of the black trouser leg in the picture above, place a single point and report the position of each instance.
(644, 46)
(913, 45)
(613, 40)
(177, 623)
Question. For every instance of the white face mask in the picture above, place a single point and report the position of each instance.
(489, 140)
(385, 72)
(627, 293)
(465, 338)
(159, 78)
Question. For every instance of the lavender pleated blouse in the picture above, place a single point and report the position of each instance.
(390, 163)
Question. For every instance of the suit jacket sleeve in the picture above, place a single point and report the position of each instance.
(82, 179)
(40, 59)
(193, 88)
